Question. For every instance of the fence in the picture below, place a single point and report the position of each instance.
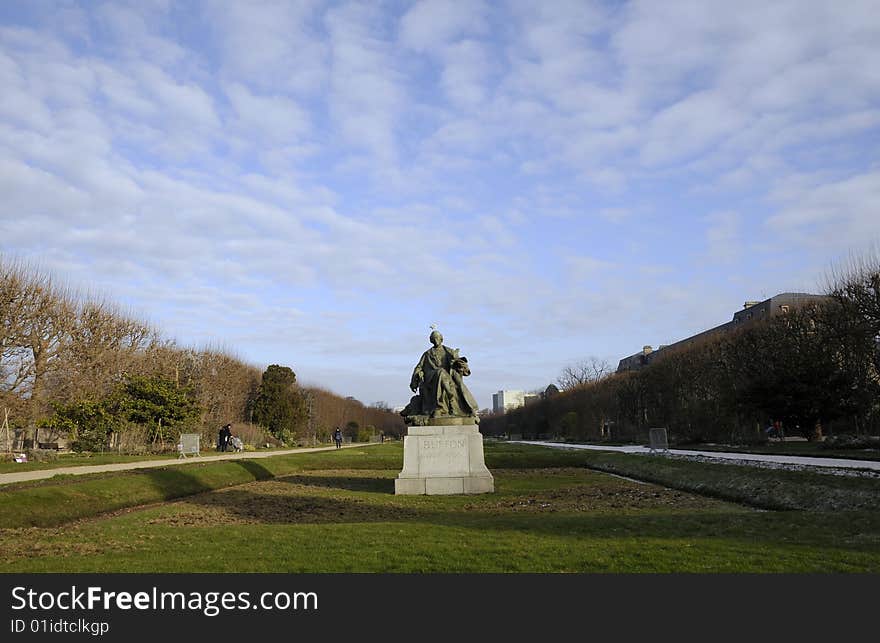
(189, 444)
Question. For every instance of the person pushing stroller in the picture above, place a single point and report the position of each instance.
(224, 437)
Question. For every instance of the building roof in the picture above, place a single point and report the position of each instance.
(751, 312)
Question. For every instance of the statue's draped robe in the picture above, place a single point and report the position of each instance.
(442, 389)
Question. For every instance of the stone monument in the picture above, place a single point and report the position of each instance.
(443, 449)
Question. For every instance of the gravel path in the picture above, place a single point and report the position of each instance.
(24, 476)
(831, 465)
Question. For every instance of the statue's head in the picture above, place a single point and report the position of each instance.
(436, 338)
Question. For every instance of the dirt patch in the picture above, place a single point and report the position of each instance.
(35, 542)
(363, 496)
(596, 498)
(594, 494)
(291, 499)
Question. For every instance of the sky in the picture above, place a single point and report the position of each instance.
(316, 184)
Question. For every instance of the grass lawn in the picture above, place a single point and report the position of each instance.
(336, 511)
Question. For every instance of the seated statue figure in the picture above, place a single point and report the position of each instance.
(441, 390)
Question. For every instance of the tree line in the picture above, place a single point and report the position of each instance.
(83, 368)
(291, 412)
(815, 369)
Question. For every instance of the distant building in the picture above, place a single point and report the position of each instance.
(752, 312)
(503, 401)
(635, 362)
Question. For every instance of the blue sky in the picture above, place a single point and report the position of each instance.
(314, 184)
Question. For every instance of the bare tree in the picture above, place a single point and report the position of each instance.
(57, 346)
(856, 284)
(46, 316)
(586, 371)
(103, 346)
(14, 362)
(224, 384)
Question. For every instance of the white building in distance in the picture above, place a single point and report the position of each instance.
(504, 401)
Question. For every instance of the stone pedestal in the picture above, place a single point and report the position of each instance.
(443, 460)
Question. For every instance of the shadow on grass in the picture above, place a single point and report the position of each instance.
(258, 471)
(177, 482)
(239, 505)
(303, 499)
(796, 529)
(347, 483)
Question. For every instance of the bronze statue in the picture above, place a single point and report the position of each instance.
(441, 390)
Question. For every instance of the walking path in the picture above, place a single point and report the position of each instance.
(836, 463)
(39, 474)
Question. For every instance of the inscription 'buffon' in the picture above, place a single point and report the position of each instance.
(459, 443)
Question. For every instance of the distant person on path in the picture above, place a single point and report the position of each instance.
(337, 437)
(225, 435)
(780, 433)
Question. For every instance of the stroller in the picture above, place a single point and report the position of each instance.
(236, 444)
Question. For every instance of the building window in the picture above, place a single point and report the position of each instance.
(783, 309)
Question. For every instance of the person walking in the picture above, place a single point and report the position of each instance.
(225, 435)
(778, 431)
(337, 437)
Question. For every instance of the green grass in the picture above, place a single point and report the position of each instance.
(336, 512)
(60, 499)
(756, 486)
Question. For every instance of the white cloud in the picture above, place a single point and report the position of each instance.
(465, 73)
(820, 211)
(430, 25)
(30, 192)
(366, 93)
(689, 127)
(133, 31)
(273, 119)
(582, 268)
(274, 46)
(325, 173)
(124, 93)
(179, 102)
